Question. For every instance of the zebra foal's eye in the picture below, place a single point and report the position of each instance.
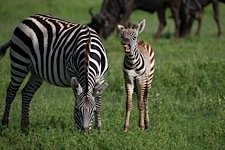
(134, 38)
(131, 33)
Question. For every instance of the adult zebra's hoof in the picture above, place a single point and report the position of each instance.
(24, 129)
(25, 124)
(5, 122)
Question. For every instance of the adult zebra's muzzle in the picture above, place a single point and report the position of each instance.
(83, 118)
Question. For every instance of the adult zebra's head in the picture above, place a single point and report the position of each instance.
(85, 104)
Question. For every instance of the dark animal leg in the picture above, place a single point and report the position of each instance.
(175, 11)
(162, 24)
(199, 19)
(216, 16)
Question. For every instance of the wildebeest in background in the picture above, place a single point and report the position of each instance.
(193, 9)
(114, 11)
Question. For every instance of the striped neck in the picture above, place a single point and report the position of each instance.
(133, 56)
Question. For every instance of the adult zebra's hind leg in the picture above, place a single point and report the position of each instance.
(18, 73)
(27, 93)
(10, 95)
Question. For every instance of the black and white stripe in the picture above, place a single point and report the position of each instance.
(61, 53)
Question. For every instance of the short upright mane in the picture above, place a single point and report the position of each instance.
(131, 26)
(87, 52)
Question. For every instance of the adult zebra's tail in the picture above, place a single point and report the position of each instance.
(3, 49)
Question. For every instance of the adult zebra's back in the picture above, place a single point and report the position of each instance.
(61, 53)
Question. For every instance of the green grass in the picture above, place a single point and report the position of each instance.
(186, 99)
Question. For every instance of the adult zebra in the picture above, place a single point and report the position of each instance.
(61, 53)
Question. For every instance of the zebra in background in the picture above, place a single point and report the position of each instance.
(138, 69)
(63, 54)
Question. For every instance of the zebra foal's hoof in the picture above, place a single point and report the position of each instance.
(141, 127)
(126, 128)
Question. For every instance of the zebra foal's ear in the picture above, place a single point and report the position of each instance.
(120, 27)
(141, 25)
(99, 90)
(75, 85)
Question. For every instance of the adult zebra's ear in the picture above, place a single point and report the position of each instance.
(100, 89)
(75, 85)
(141, 26)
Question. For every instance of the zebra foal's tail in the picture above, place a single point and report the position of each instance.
(3, 49)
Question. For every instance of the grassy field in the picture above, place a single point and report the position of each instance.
(187, 98)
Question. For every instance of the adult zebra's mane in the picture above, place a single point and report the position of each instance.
(86, 61)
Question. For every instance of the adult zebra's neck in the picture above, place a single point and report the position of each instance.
(79, 63)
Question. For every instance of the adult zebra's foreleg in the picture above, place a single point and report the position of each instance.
(98, 93)
(27, 93)
(97, 113)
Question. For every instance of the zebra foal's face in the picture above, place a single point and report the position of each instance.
(129, 35)
(85, 104)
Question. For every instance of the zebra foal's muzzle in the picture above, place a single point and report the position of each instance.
(126, 48)
(126, 44)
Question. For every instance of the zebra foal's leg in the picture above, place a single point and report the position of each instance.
(27, 93)
(129, 91)
(146, 94)
(141, 91)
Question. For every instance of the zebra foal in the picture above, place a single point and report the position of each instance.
(138, 69)
(63, 54)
